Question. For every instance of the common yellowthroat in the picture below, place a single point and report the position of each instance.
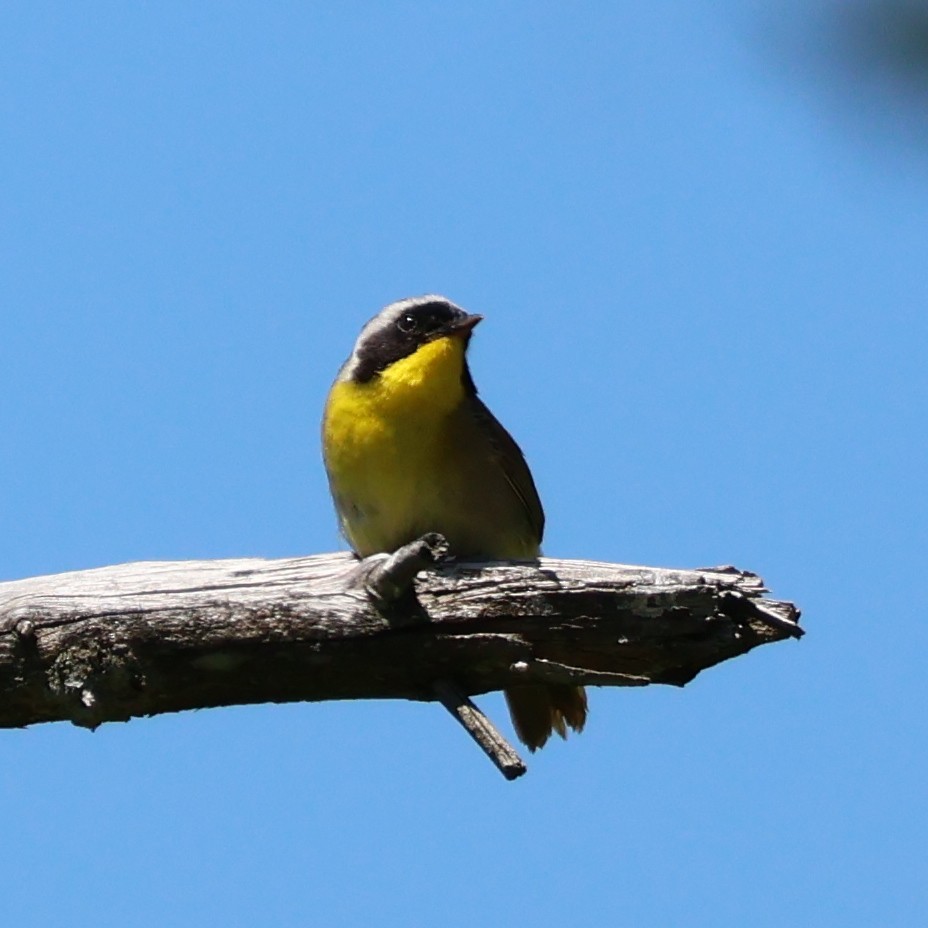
(409, 448)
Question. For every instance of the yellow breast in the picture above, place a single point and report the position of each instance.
(383, 445)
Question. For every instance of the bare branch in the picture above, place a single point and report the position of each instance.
(141, 639)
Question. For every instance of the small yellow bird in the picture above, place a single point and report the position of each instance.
(409, 448)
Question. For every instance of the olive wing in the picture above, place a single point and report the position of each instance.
(513, 464)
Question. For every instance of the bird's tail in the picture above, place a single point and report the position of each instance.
(540, 709)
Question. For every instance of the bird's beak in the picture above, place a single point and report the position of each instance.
(464, 326)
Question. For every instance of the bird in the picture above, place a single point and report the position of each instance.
(409, 448)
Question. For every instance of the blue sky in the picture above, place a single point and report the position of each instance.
(701, 255)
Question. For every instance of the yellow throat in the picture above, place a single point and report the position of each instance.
(395, 419)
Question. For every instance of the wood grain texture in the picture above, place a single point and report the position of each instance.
(145, 638)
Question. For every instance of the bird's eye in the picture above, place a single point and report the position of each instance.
(407, 323)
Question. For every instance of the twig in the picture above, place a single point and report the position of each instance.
(388, 581)
(735, 604)
(480, 728)
(543, 671)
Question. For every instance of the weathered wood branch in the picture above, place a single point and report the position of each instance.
(140, 639)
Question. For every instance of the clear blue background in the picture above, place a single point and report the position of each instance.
(702, 254)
